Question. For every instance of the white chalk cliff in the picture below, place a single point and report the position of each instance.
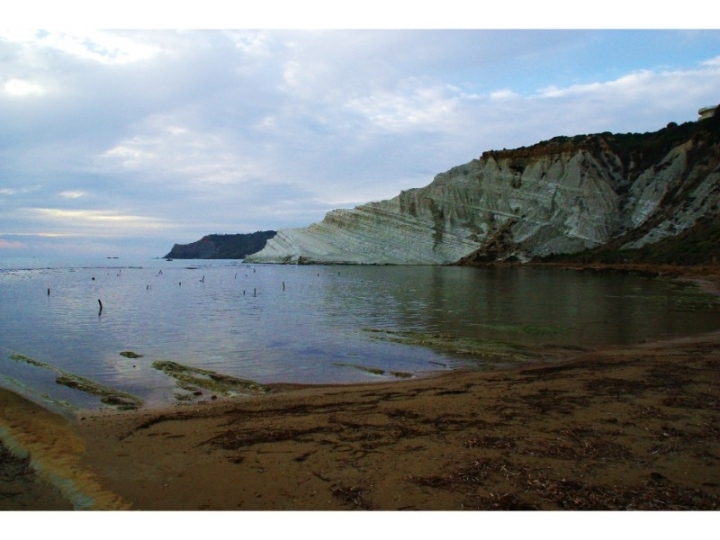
(559, 196)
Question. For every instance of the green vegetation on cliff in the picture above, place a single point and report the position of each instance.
(638, 151)
(699, 245)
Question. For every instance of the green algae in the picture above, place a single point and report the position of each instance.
(481, 348)
(184, 397)
(130, 354)
(22, 358)
(108, 396)
(375, 371)
(193, 379)
(530, 329)
(538, 330)
(371, 370)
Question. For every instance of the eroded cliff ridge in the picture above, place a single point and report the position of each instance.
(565, 195)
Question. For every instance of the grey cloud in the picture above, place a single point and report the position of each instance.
(210, 131)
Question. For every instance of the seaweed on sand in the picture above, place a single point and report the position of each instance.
(532, 488)
(352, 496)
(192, 379)
(12, 466)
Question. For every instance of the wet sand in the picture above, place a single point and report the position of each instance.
(617, 429)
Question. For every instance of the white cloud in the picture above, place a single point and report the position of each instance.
(504, 94)
(165, 149)
(292, 72)
(20, 88)
(129, 154)
(269, 123)
(642, 84)
(99, 218)
(630, 84)
(98, 46)
(251, 43)
(18, 191)
(713, 62)
(72, 194)
(431, 107)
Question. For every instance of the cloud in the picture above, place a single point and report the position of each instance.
(97, 46)
(98, 222)
(10, 192)
(422, 107)
(712, 62)
(72, 194)
(8, 244)
(251, 43)
(20, 88)
(162, 149)
(504, 94)
(632, 84)
(191, 132)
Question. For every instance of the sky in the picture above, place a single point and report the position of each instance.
(122, 142)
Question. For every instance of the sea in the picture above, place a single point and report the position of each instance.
(71, 331)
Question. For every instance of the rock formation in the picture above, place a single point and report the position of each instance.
(564, 195)
(222, 246)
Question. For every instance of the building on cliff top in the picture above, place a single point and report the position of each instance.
(707, 112)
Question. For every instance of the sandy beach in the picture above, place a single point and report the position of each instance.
(632, 428)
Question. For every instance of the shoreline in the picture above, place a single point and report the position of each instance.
(619, 428)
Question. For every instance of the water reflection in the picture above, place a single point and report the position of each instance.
(548, 306)
(307, 324)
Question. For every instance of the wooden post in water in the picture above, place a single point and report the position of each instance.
(99, 302)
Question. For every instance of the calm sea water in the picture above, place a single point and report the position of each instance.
(306, 324)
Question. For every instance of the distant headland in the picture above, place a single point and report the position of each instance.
(222, 246)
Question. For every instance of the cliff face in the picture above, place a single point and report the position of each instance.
(222, 246)
(559, 196)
